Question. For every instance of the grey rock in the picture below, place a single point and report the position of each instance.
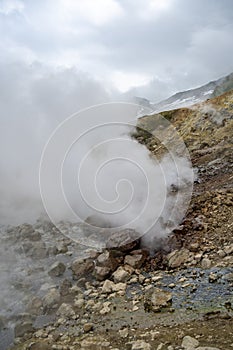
(156, 299)
(178, 257)
(228, 249)
(40, 345)
(87, 327)
(189, 343)
(57, 269)
(228, 277)
(135, 260)
(65, 310)
(124, 332)
(65, 287)
(107, 286)
(206, 263)
(121, 275)
(101, 273)
(82, 268)
(140, 345)
(95, 343)
(39, 250)
(221, 253)
(79, 303)
(107, 259)
(194, 247)
(22, 328)
(124, 240)
(213, 277)
(119, 287)
(35, 306)
(51, 299)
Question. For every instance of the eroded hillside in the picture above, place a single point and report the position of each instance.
(207, 131)
(124, 299)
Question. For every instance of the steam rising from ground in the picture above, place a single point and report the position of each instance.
(93, 167)
(91, 170)
(33, 101)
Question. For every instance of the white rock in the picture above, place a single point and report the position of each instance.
(120, 275)
(79, 303)
(124, 332)
(107, 286)
(106, 309)
(119, 287)
(189, 343)
(140, 345)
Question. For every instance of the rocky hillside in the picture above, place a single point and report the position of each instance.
(124, 299)
(225, 86)
(207, 131)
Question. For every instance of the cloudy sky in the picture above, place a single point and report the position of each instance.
(153, 47)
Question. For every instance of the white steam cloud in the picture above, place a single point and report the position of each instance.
(33, 101)
(91, 166)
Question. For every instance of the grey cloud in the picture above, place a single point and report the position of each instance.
(183, 46)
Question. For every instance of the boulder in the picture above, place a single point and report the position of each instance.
(140, 345)
(124, 240)
(95, 343)
(213, 277)
(23, 327)
(65, 310)
(124, 332)
(101, 273)
(189, 343)
(82, 268)
(35, 306)
(228, 249)
(39, 250)
(107, 259)
(79, 303)
(157, 299)
(119, 287)
(60, 248)
(41, 345)
(206, 263)
(57, 269)
(87, 327)
(51, 299)
(107, 286)
(136, 260)
(178, 257)
(65, 287)
(121, 275)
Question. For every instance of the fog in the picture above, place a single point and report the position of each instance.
(91, 166)
(33, 101)
(68, 153)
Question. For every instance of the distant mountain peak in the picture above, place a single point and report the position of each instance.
(190, 97)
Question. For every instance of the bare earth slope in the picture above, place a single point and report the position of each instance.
(181, 298)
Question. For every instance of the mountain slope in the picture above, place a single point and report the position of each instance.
(193, 96)
(207, 131)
